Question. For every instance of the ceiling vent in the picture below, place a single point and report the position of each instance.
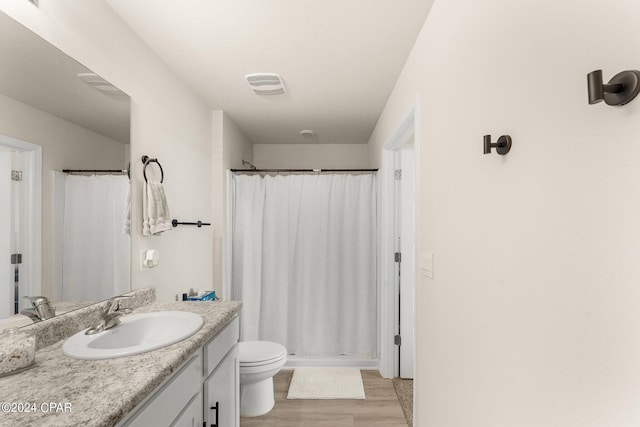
(265, 83)
(98, 83)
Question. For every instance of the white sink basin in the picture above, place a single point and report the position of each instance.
(138, 333)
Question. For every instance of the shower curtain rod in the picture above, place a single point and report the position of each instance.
(113, 171)
(122, 171)
(301, 170)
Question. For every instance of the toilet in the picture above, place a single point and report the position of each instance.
(259, 362)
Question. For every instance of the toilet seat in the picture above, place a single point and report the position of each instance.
(260, 353)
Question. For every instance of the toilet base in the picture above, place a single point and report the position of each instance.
(259, 362)
(257, 398)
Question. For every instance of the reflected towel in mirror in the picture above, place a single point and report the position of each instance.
(126, 226)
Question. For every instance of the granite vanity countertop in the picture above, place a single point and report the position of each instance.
(60, 391)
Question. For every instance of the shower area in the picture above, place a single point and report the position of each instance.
(303, 248)
(91, 234)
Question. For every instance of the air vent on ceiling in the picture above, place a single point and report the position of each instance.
(98, 83)
(265, 83)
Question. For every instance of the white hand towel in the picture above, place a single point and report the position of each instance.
(126, 226)
(155, 211)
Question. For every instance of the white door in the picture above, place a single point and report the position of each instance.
(6, 231)
(20, 222)
(407, 244)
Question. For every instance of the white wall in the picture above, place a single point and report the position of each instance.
(237, 146)
(64, 146)
(168, 122)
(532, 318)
(310, 156)
(230, 147)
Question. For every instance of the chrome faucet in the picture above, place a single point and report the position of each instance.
(40, 309)
(111, 316)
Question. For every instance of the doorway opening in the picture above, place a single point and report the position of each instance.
(20, 223)
(399, 242)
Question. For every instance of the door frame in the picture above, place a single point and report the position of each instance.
(31, 239)
(389, 318)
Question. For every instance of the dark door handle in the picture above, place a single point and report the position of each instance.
(217, 409)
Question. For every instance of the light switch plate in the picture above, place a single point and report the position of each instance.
(426, 264)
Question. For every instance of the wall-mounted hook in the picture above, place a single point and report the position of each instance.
(502, 146)
(620, 90)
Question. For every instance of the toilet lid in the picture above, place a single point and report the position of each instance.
(260, 352)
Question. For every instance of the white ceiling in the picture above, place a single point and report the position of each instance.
(339, 59)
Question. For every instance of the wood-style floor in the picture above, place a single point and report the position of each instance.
(380, 408)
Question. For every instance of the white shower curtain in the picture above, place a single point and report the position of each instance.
(96, 257)
(304, 262)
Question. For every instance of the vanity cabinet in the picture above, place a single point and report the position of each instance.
(204, 389)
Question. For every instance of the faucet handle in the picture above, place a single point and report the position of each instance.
(115, 303)
(37, 300)
(42, 307)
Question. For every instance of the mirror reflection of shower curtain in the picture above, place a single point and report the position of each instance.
(304, 262)
(96, 254)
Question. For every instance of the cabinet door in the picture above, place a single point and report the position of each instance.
(192, 415)
(222, 393)
(163, 407)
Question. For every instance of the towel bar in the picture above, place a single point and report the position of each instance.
(175, 223)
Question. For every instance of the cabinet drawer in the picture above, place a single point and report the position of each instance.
(165, 404)
(215, 350)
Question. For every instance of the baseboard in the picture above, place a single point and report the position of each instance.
(330, 362)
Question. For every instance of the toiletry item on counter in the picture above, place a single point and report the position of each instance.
(203, 296)
(195, 295)
(17, 350)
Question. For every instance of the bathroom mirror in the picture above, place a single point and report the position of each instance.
(56, 114)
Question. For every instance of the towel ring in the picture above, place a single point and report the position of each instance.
(146, 160)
